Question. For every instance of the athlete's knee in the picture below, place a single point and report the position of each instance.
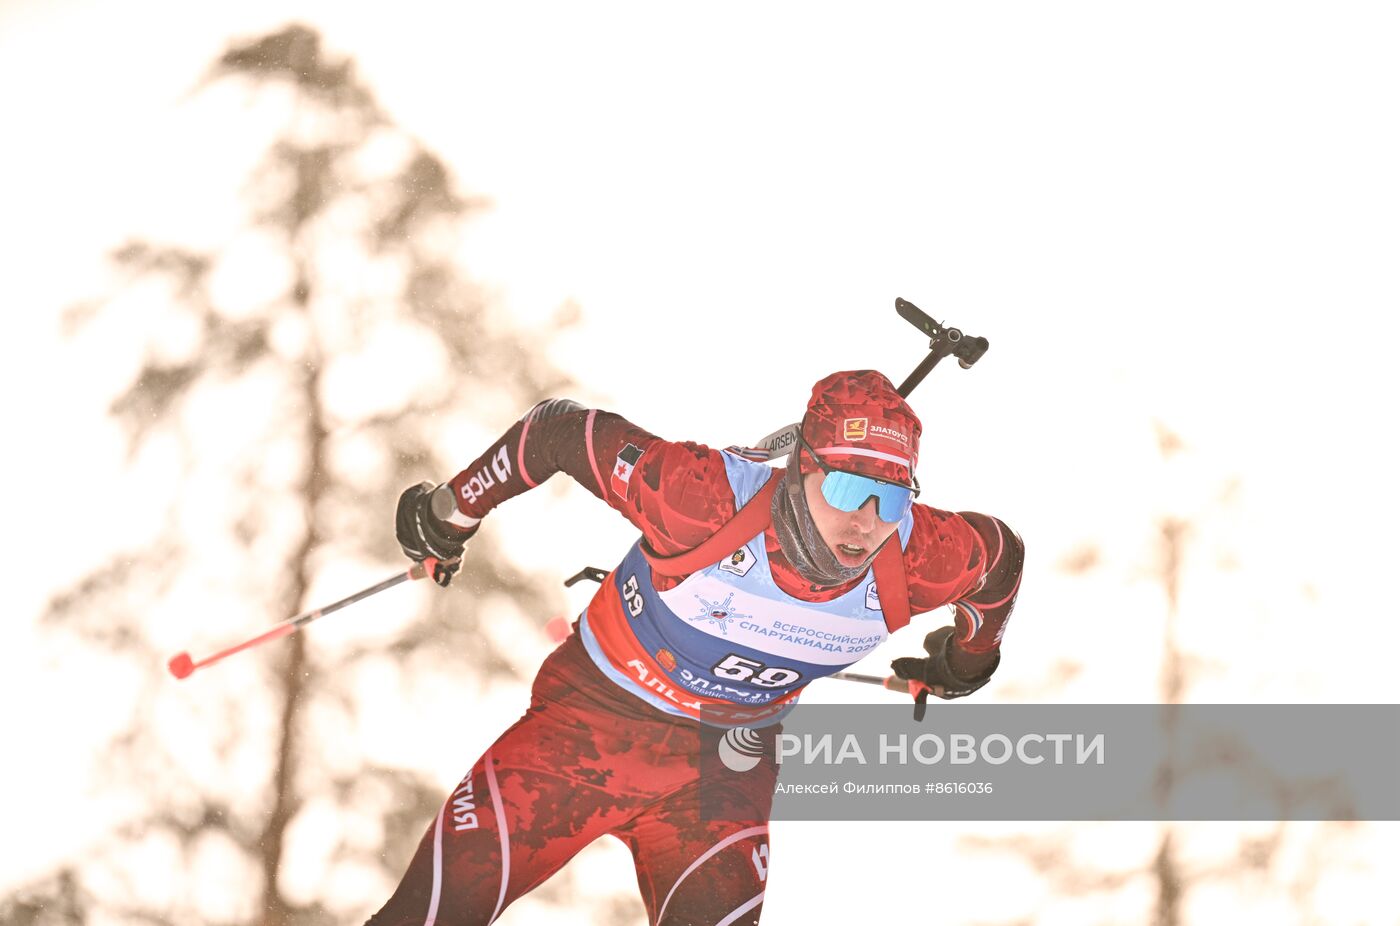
(723, 883)
(709, 913)
(414, 908)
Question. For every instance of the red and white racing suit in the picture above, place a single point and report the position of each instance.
(609, 743)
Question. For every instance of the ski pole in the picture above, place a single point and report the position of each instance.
(918, 689)
(892, 682)
(182, 666)
(558, 630)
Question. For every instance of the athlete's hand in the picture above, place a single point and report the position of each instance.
(933, 675)
(423, 535)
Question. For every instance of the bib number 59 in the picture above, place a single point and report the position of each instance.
(632, 594)
(738, 669)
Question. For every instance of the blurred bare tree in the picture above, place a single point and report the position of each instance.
(292, 447)
(1149, 875)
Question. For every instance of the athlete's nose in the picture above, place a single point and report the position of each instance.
(866, 516)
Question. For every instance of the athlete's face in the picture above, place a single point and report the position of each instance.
(851, 535)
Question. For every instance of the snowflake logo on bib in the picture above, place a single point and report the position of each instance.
(718, 614)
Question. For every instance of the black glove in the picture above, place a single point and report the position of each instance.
(934, 674)
(423, 535)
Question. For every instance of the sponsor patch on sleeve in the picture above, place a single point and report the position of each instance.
(622, 469)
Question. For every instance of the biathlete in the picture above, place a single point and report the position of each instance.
(748, 583)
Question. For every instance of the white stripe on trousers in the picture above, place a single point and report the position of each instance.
(505, 848)
(726, 841)
(437, 868)
(502, 830)
(743, 908)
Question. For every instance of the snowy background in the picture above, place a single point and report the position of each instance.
(1175, 224)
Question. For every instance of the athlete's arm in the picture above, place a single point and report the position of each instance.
(973, 562)
(676, 494)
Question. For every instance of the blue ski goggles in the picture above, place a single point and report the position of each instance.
(850, 491)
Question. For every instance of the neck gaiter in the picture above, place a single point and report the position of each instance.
(801, 542)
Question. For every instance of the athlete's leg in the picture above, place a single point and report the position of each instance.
(565, 773)
(702, 854)
(523, 810)
(693, 872)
